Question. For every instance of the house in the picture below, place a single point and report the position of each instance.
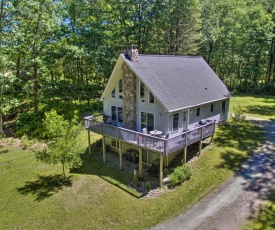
(157, 105)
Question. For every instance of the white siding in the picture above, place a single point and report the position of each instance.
(156, 108)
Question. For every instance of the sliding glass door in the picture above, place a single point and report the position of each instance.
(147, 120)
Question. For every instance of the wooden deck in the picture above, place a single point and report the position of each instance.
(156, 144)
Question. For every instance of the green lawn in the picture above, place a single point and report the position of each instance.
(97, 196)
(259, 106)
(264, 219)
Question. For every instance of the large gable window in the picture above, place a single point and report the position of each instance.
(114, 113)
(141, 92)
(175, 121)
(120, 89)
(147, 121)
(114, 92)
(151, 98)
(117, 114)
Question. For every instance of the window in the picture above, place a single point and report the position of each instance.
(151, 98)
(141, 92)
(114, 92)
(120, 89)
(212, 108)
(198, 111)
(223, 107)
(117, 114)
(114, 114)
(147, 121)
(175, 121)
(114, 143)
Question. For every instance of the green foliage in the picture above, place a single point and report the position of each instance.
(148, 186)
(136, 182)
(30, 124)
(180, 174)
(64, 146)
(55, 125)
(237, 116)
(26, 142)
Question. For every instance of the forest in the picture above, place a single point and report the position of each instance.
(59, 54)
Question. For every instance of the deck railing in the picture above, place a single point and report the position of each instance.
(156, 144)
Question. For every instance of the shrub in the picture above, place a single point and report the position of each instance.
(238, 116)
(180, 174)
(148, 186)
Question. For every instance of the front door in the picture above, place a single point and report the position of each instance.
(184, 120)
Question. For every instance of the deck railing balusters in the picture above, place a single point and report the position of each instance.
(153, 143)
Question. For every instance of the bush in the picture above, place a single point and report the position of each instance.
(238, 116)
(180, 174)
(148, 186)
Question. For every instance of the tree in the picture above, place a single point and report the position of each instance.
(64, 144)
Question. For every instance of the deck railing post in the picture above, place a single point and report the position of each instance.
(212, 137)
(161, 171)
(200, 145)
(185, 149)
(140, 161)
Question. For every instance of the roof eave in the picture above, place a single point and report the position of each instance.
(192, 106)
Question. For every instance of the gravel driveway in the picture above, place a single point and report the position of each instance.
(230, 205)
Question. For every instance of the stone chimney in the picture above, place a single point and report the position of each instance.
(132, 52)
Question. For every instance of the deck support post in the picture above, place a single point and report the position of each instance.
(89, 142)
(120, 155)
(185, 154)
(161, 171)
(212, 137)
(104, 149)
(200, 144)
(140, 162)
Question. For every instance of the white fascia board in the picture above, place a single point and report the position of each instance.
(192, 106)
(113, 78)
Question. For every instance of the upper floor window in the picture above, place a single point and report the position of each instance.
(151, 98)
(176, 121)
(198, 111)
(114, 92)
(141, 92)
(223, 107)
(212, 108)
(120, 89)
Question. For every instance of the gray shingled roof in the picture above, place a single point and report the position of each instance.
(179, 82)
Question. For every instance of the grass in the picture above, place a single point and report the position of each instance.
(259, 106)
(264, 219)
(32, 195)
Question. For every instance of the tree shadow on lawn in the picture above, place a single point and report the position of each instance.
(244, 135)
(92, 165)
(260, 109)
(45, 186)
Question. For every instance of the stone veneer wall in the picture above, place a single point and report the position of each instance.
(129, 98)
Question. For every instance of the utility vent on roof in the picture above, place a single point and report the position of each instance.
(132, 52)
